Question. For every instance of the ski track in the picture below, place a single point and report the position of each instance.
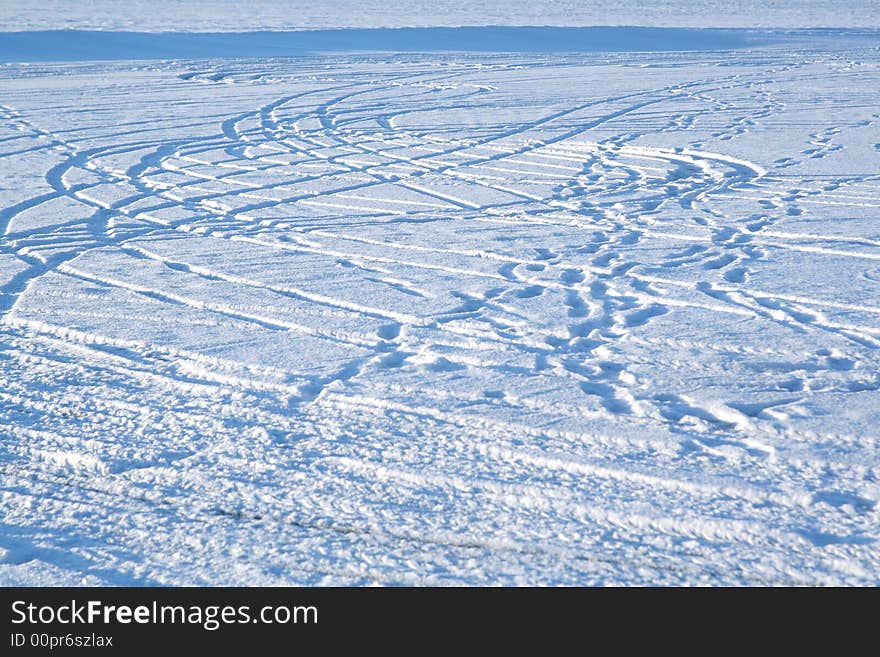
(455, 320)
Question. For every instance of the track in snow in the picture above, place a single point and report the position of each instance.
(454, 320)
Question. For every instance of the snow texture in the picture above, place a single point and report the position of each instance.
(441, 318)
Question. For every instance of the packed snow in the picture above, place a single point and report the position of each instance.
(450, 318)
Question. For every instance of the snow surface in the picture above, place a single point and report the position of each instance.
(448, 318)
(234, 15)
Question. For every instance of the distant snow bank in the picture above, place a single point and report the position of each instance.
(77, 45)
(272, 15)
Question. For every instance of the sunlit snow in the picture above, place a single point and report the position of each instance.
(606, 316)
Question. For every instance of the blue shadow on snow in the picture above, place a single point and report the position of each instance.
(82, 45)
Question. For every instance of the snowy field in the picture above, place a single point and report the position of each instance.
(234, 15)
(458, 318)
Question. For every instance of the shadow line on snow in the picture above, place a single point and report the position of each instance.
(82, 45)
